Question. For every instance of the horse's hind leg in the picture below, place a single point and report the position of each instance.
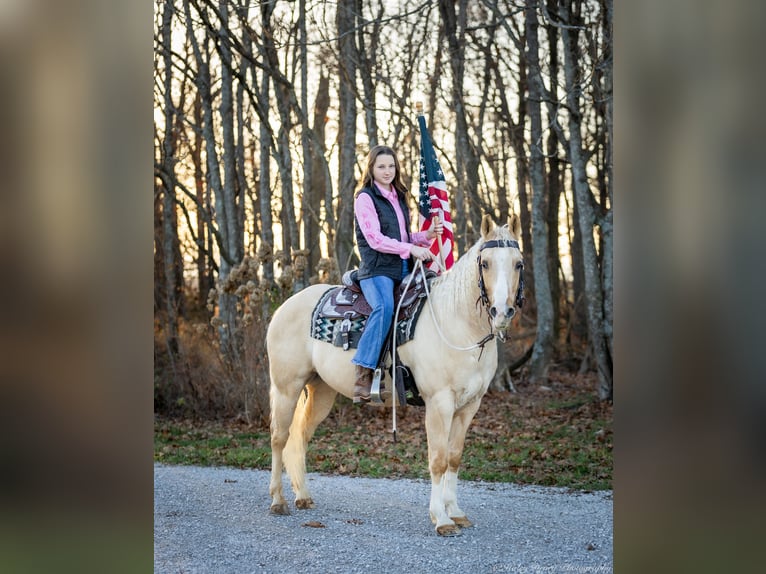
(282, 409)
(314, 405)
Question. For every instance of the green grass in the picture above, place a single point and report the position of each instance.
(212, 445)
(563, 441)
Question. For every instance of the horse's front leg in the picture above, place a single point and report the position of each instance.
(439, 412)
(458, 430)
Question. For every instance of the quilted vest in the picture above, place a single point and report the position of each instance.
(374, 262)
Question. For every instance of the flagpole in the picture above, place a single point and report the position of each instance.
(439, 241)
(440, 260)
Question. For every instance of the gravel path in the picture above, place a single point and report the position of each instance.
(216, 520)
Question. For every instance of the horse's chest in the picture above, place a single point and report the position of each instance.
(471, 388)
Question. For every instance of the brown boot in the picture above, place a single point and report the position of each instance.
(363, 385)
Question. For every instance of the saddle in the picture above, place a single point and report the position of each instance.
(346, 303)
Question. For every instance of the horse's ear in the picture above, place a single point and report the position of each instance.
(514, 224)
(487, 225)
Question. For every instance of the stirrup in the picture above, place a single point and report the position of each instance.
(377, 395)
(375, 390)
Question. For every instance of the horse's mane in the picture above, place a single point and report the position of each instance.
(459, 286)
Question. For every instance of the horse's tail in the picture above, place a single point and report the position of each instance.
(298, 431)
(315, 401)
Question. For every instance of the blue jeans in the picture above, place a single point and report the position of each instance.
(379, 292)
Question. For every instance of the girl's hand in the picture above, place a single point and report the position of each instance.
(437, 228)
(422, 253)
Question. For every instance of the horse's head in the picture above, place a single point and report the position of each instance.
(501, 264)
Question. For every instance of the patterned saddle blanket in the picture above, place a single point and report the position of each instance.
(340, 314)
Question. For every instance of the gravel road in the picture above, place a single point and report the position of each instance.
(216, 520)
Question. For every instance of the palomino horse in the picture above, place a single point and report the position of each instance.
(476, 298)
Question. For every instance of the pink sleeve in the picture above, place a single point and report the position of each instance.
(421, 238)
(365, 214)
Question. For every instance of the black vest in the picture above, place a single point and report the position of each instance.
(374, 262)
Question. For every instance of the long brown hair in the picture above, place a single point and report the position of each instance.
(372, 157)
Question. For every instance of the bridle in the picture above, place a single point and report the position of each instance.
(483, 297)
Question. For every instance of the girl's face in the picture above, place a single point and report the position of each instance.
(384, 170)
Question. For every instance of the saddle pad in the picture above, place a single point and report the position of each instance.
(329, 329)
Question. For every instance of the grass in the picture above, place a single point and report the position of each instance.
(556, 437)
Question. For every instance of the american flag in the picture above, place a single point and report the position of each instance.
(433, 198)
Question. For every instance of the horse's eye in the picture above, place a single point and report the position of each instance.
(520, 265)
(484, 265)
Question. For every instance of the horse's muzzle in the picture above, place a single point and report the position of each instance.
(501, 320)
(509, 313)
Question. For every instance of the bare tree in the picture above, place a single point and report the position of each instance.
(205, 281)
(315, 193)
(554, 181)
(285, 92)
(308, 204)
(467, 163)
(366, 65)
(344, 240)
(239, 155)
(542, 353)
(224, 199)
(604, 98)
(264, 183)
(585, 206)
(171, 273)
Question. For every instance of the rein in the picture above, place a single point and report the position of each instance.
(481, 343)
(482, 297)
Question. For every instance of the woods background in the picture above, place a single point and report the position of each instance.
(264, 113)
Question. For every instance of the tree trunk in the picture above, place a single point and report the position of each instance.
(465, 156)
(554, 180)
(285, 95)
(226, 111)
(264, 189)
(159, 264)
(226, 202)
(204, 278)
(481, 204)
(344, 244)
(607, 279)
(366, 63)
(319, 185)
(226, 303)
(607, 229)
(242, 191)
(587, 217)
(542, 352)
(579, 322)
(172, 281)
(522, 164)
(308, 221)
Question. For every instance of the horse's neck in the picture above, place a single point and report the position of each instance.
(456, 294)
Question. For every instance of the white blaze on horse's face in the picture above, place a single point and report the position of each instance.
(501, 264)
(501, 267)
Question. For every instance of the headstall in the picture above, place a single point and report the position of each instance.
(483, 297)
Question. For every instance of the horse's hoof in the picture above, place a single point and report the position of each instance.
(279, 509)
(448, 530)
(462, 521)
(304, 503)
